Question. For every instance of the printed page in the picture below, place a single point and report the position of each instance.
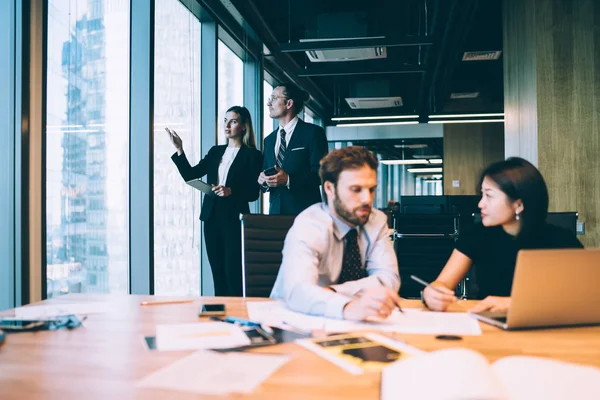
(207, 372)
(450, 374)
(200, 335)
(542, 378)
(275, 313)
(416, 322)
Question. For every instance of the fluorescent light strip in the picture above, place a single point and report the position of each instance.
(370, 118)
(379, 124)
(466, 115)
(403, 162)
(465, 121)
(424, 170)
(436, 161)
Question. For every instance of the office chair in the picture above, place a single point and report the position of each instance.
(262, 242)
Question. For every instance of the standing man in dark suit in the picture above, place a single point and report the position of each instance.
(294, 149)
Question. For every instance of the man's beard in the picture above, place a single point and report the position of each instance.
(350, 216)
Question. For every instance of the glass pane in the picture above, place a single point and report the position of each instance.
(176, 105)
(308, 116)
(267, 128)
(231, 85)
(87, 147)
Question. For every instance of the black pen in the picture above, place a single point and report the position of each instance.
(426, 284)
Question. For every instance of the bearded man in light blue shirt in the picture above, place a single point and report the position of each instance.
(338, 259)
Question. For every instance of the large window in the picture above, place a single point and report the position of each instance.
(87, 147)
(231, 85)
(176, 105)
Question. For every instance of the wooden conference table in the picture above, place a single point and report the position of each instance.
(104, 359)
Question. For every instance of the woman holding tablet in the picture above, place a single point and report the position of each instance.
(232, 170)
(514, 207)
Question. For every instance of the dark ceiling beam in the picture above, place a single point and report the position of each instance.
(355, 44)
(447, 31)
(352, 68)
(283, 62)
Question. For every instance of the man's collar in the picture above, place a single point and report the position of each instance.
(289, 127)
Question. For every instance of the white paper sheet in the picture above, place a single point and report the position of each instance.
(55, 310)
(207, 372)
(200, 335)
(275, 313)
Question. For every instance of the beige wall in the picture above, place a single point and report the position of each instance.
(552, 99)
(468, 149)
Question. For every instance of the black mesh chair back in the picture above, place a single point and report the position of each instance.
(262, 243)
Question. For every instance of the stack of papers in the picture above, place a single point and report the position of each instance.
(275, 313)
(207, 372)
(200, 335)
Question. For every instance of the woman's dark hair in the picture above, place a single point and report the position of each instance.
(248, 138)
(299, 96)
(519, 179)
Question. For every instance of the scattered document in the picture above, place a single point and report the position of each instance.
(57, 310)
(413, 321)
(199, 335)
(359, 352)
(207, 372)
(466, 374)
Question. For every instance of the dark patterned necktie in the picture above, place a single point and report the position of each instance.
(281, 152)
(351, 265)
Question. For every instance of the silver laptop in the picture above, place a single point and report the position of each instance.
(552, 288)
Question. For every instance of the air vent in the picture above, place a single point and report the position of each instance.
(346, 54)
(481, 55)
(358, 103)
(467, 95)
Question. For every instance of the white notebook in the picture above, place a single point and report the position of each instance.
(466, 374)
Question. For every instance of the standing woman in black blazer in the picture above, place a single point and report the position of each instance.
(232, 170)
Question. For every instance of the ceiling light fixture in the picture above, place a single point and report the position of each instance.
(424, 170)
(379, 124)
(466, 115)
(403, 162)
(371, 118)
(436, 161)
(464, 121)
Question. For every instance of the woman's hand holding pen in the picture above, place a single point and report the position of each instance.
(438, 297)
(176, 140)
(221, 190)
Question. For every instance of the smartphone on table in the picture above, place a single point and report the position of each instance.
(211, 310)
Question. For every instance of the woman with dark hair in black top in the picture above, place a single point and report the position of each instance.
(514, 207)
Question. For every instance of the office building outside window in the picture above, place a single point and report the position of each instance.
(230, 86)
(87, 147)
(176, 105)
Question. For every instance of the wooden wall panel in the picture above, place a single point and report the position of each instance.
(468, 149)
(552, 74)
(568, 92)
